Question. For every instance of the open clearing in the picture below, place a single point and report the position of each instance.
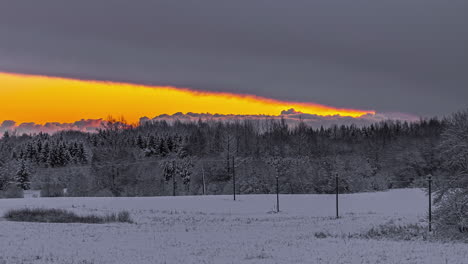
(215, 229)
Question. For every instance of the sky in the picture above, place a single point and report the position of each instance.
(385, 56)
(44, 98)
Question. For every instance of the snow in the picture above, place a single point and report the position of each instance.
(216, 229)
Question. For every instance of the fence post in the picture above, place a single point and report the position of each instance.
(233, 179)
(337, 193)
(430, 201)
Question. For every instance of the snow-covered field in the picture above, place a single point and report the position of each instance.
(216, 229)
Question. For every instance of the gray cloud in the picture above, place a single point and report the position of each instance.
(88, 125)
(408, 56)
(291, 117)
(7, 124)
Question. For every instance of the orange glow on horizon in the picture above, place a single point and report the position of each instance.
(41, 99)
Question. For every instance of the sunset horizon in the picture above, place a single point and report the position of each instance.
(42, 99)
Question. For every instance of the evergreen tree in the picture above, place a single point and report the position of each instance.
(22, 176)
(140, 143)
(6, 135)
(37, 157)
(170, 144)
(162, 148)
(81, 155)
(44, 157)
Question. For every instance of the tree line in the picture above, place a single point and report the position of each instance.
(123, 160)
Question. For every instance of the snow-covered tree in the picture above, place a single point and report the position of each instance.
(452, 193)
(184, 169)
(22, 176)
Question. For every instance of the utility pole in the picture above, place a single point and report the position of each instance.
(430, 201)
(337, 192)
(203, 179)
(233, 179)
(277, 192)
(227, 155)
(275, 163)
(173, 179)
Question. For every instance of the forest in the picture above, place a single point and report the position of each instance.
(190, 158)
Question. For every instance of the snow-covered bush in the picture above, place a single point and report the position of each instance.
(451, 214)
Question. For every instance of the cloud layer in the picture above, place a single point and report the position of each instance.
(395, 55)
(291, 116)
(88, 125)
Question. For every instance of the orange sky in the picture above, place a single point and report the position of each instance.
(41, 99)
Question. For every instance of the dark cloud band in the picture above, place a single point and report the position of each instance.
(408, 56)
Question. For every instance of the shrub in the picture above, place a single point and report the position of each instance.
(63, 216)
(124, 217)
(451, 216)
(396, 232)
(321, 235)
(12, 191)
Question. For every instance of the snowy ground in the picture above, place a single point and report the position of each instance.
(215, 229)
